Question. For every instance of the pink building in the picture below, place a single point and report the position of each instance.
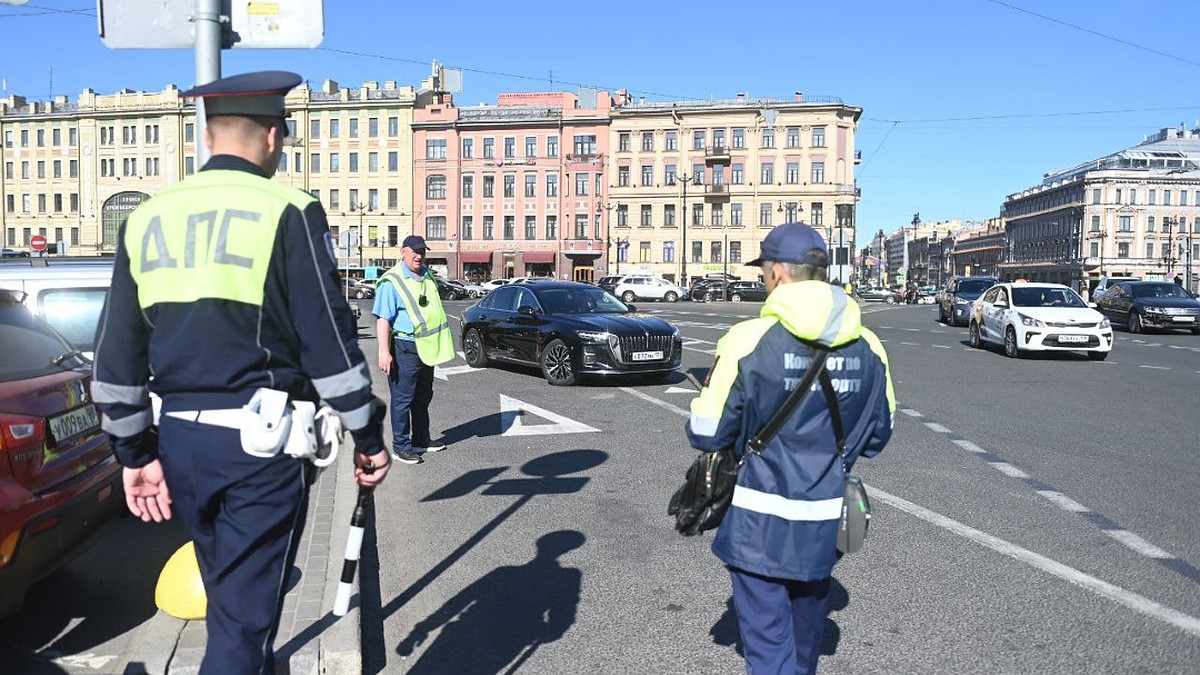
(514, 189)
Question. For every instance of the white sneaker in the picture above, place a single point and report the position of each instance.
(432, 448)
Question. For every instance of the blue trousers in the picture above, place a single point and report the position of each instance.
(411, 384)
(245, 515)
(781, 621)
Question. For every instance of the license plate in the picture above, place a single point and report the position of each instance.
(1072, 338)
(74, 423)
(1183, 319)
(646, 356)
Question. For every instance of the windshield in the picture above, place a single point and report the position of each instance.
(579, 300)
(1045, 297)
(31, 348)
(974, 286)
(1163, 290)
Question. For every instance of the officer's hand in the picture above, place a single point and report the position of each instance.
(146, 492)
(385, 362)
(381, 461)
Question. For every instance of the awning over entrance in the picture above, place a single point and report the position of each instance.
(475, 256)
(538, 257)
(583, 254)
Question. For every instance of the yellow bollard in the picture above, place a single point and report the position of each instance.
(180, 590)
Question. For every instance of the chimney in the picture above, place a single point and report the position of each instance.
(799, 97)
(330, 87)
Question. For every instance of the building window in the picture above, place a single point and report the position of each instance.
(581, 226)
(113, 215)
(1151, 197)
(551, 185)
(393, 161)
(1150, 224)
(354, 128)
(647, 141)
(793, 137)
(489, 186)
(718, 138)
(735, 251)
(373, 127)
(672, 140)
(668, 251)
(531, 227)
(435, 148)
(41, 138)
(1167, 197)
(647, 175)
(393, 198)
(335, 162)
(817, 211)
(764, 215)
(72, 137)
(373, 199)
(314, 163)
(468, 187)
(698, 215)
(189, 166)
(768, 138)
(585, 146)
(735, 215)
(11, 205)
(510, 185)
(58, 203)
(489, 148)
(738, 172)
(1149, 250)
(697, 174)
(622, 215)
(74, 204)
(552, 146)
(768, 173)
(435, 187)
(647, 216)
(468, 148)
(314, 129)
(552, 227)
(1095, 195)
(468, 227)
(1095, 223)
(510, 147)
(8, 170)
(818, 172)
(25, 170)
(1118, 200)
(581, 184)
(818, 137)
(1122, 249)
(715, 252)
(698, 139)
(335, 199)
(623, 141)
(739, 138)
(373, 162)
(335, 128)
(283, 162)
(531, 185)
(531, 146)
(354, 162)
(644, 252)
(793, 173)
(669, 178)
(435, 227)
(669, 215)
(489, 227)
(1125, 223)
(41, 169)
(718, 215)
(622, 176)
(697, 251)
(1095, 250)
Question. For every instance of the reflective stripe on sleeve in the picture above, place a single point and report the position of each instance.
(103, 392)
(345, 382)
(788, 509)
(358, 418)
(703, 426)
(127, 426)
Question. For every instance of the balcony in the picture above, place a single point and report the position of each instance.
(585, 158)
(717, 192)
(716, 154)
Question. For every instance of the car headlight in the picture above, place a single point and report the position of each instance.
(1105, 323)
(1030, 321)
(960, 301)
(600, 337)
(675, 333)
(1154, 310)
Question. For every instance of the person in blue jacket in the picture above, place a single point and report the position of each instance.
(779, 536)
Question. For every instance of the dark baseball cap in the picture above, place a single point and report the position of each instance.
(261, 94)
(793, 243)
(415, 241)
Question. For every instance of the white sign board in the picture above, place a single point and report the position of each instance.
(253, 24)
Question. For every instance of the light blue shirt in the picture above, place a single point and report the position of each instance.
(390, 306)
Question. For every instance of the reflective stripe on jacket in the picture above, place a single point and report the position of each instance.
(431, 328)
(783, 519)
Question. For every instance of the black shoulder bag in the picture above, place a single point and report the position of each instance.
(707, 489)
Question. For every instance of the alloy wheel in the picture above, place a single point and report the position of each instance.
(1010, 343)
(556, 364)
(473, 349)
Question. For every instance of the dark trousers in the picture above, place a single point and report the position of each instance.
(411, 386)
(245, 515)
(781, 622)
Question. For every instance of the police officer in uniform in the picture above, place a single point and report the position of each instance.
(226, 291)
(779, 536)
(413, 336)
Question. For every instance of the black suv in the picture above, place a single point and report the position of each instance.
(954, 302)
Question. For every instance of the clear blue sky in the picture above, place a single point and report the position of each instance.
(964, 101)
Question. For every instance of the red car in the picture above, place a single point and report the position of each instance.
(60, 483)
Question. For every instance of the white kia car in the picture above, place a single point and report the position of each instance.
(1025, 317)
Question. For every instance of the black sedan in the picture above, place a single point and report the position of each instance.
(568, 329)
(1150, 304)
(886, 295)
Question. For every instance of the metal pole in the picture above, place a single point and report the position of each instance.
(208, 63)
(683, 280)
(360, 237)
(726, 257)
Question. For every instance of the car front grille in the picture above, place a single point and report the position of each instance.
(1180, 311)
(644, 343)
(1064, 324)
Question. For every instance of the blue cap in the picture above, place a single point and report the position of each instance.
(416, 242)
(259, 93)
(793, 243)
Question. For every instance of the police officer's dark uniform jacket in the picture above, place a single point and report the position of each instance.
(783, 519)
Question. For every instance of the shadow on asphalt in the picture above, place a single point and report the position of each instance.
(725, 630)
(504, 616)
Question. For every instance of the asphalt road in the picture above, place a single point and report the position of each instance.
(1032, 516)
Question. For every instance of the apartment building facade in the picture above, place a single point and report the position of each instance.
(696, 185)
(513, 189)
(1135, 212)
(73, 171)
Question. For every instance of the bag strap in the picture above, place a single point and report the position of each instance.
(834, 414)
(759, 441)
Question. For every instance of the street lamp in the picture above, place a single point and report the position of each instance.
(879, 278)
(685, 178)
(362, 209)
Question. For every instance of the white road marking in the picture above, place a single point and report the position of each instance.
(1129, 599)
(934, 426)
(1009, 470)
(1064, 502)
(968, 445)
(1138, 544)
(910, 412)
(87, 660)
(702, 351)
(910, 344)
(942, 347)
(445, 373)
(512, 410)
(662, 404)
(680, 390)
(1155, 367)
(912, 330)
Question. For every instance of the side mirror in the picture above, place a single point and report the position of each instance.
(632, 307)
(1092, 305)
(1000, 303)
(527, 310)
